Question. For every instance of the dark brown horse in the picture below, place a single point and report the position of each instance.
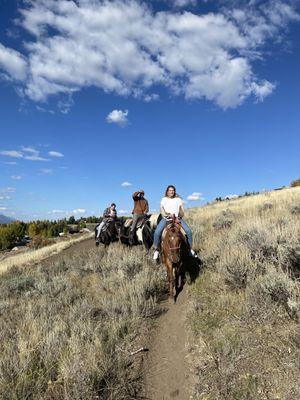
(174, 251)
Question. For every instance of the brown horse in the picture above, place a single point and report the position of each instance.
(174, 251)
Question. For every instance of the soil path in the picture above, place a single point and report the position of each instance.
(79, 247)
(166, 370)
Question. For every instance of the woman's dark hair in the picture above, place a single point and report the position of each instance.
(113, 204)
(170, 187)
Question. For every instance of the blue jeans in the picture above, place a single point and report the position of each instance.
(161, 226)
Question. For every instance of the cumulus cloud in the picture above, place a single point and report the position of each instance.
(27, 153)
(55, 154)
(118, 117)
(12, 64)
(126, 184)
(196, 196)
(126, 48)
(32, 154)
(79, 211)
(16, 177)
(11, 153)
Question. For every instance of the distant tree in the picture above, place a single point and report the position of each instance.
(11, 234)
(18, 230)
(295, 183)
(72, 220)
(32, 229)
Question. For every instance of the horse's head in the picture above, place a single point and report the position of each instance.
(173, 242)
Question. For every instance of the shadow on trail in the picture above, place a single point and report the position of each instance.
(192, 269)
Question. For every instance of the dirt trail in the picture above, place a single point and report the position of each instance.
(166, 370)
(165, 367)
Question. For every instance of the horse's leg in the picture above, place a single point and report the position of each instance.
(175, 282)
(179, 279)
(170, 278)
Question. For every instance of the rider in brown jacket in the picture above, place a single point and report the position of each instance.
(140, 209)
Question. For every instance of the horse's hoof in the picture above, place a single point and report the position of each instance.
(97, 243)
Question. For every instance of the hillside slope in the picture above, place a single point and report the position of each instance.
(245, 306)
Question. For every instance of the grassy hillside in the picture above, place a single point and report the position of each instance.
(67, 327)
(245, 306)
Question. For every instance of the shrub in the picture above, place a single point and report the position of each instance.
(238, 267)
(257, 239)
(265, 207)
(38, 242)
(223, 220)
(295, 183)
(275, 285)
(295, 209)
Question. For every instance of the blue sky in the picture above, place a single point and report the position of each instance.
(203, 95)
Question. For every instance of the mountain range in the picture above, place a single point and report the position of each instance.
(4, 219)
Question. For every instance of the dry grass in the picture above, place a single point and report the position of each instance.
(245, 306)
(38, 255)
(66, 327)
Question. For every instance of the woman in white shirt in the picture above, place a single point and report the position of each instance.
(171, 205)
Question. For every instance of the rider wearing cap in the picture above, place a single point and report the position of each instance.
(140, 209)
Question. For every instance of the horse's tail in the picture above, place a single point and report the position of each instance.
(147, 236)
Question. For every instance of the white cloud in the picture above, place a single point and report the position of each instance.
(10, 163)
(2, 208)
(2, 197)
(126, 184)
(123, 212)
(32, 154)
(126, 48)
(183, 3)
(79, 211)
(12, 63)
(57, 212)
(231, 196)
(7, 190)
(27, 153)
(196, 196)
(118, 117)
(46, 171)
(12, 153)
(55, 154)
(16, 177)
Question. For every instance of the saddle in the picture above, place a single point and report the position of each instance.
(141, 222)
(106, 225)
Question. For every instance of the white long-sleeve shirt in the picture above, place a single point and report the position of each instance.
(172, 205)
